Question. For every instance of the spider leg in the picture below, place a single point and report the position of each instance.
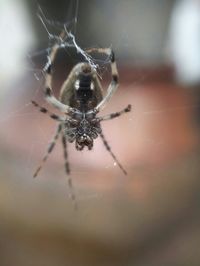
(108, 148)
(67, 170)
(49, 96)
(45, 111)
(49, 150)
(117, 114)
(115, 77)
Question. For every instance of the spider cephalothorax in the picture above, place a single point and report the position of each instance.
(81, 98)
(83, 131)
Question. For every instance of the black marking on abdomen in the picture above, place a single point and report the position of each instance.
(84, 93)
(85, 81)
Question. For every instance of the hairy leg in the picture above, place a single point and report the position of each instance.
(108, 148)
(49, 150)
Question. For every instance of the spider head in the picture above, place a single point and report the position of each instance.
(84, 140)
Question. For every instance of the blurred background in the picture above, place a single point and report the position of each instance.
(149, 217)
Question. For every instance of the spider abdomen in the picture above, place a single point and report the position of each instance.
(82, 90)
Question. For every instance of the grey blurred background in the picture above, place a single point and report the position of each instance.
(151, 216)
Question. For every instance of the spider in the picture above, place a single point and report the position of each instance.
(80, 100)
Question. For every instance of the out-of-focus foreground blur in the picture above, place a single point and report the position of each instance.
(149, 217)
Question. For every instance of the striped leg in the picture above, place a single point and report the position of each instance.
(49, 96)
(67, 170)
(108, 148)
(49, 150)
(115, 77)
(45, 111)
(117, 114)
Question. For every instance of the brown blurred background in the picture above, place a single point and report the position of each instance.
(148, 218)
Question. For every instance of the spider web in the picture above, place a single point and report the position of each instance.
(69, 42)
(66, 44)
(53, 28)
(24, 167)
(20, 110)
